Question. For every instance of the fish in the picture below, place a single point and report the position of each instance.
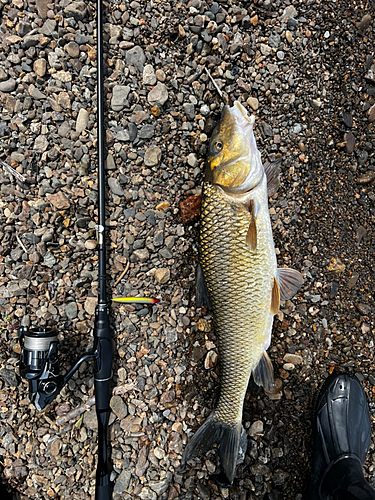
(238, 277)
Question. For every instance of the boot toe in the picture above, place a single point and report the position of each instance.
(342, 418)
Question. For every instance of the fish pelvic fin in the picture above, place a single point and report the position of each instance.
(275, 297)
(211, 432)
(263, 373)
(202, 297)
(251, 236)
(290, 281)
(273, 176)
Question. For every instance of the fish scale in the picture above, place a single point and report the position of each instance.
(236, 278)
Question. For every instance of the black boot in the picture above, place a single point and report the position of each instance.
(342, 433)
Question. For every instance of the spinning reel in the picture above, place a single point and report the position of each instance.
(39, 364)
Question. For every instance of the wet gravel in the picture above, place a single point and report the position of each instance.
(306, 70)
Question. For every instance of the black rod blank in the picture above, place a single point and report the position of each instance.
(102, 334)
(101, 132)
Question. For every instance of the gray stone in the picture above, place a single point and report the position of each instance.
(170, 335)
(274, 40)
(90, 420)
(189, 110)
(49, 260)
(81, 39)
(8, 85)
(147, 494)
(71, 310)
(16, 254)
(289, 13)
(115, 186)
(48, 27)
(42, 7)
(141, 255)
(152, 156)
(192, 159)
(36, 93)
(146, 132)
(110, 162)
(133, 131)
(149, 76)
(160, 487)
(265, 49)
(41, 144)
(166, 253)
(121, 134)
(159, 94)
(122, 482)
(272, 68)
(128, 326)
(77, 10)
(119, 95)
(31, 238)
(10, 377)
(118, 406)
(30, 41)
(158, 239)
(297, 128)
(23, 28)
(136, 57)
(64, 129)
(82, 120)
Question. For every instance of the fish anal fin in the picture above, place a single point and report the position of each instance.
(272, 170)
(263, 373)
(202, 297)
(251, 236)
(275, 297)
(290, 281)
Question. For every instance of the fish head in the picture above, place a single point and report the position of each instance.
(233, 161)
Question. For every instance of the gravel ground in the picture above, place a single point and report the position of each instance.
(305, 69)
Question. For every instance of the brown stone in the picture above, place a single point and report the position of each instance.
(59, 201)
(371, 113)
(40, 67)
(190, 208)
(349, 142)
(42, 6)
(72, 48)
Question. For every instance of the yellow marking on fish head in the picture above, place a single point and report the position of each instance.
(231, 147)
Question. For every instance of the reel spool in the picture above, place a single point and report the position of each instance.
(35, 347)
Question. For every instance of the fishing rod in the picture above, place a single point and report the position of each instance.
(39, 362)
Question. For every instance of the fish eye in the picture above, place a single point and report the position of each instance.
(216, 146)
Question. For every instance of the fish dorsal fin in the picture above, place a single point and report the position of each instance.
(202, 297)
(273, 176)
(263, 373)
(251, 236)
(290, 281)
(275, 297)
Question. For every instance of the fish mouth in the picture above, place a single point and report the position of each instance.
(239, 113)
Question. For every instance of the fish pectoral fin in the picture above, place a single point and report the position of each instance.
(251, 236)
(263, 373)
(290, 281)
(275, 297)
(202, 297)
(273, 176)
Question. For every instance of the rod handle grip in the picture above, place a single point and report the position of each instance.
(103, 490)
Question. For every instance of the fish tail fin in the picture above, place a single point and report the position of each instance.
(228, 449)
(211, 432)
